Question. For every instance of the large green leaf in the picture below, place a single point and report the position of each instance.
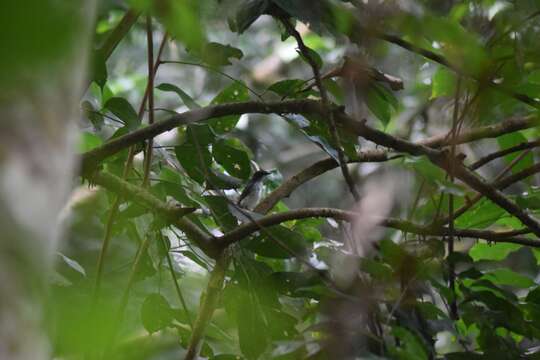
(195, 160)
(504, 276)
(215, 54)
(381, 102)
(495, 252)
(186, 99)
(124, 111)
(277, 242)
(156, 313)
(233, 159)
(220, 211)
(443, 83)
(513, 139)
(235, 92)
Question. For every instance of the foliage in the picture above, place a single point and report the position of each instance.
(452, 275)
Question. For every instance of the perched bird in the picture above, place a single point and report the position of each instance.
(251, 194)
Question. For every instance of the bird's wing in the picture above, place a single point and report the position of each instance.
(244, 193)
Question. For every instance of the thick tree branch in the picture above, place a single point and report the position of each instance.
(92, 158)
(247, 229)
(438, 157)
(320, 167)
(214, 246)
(484, 132)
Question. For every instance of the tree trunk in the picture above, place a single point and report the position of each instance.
(42, 71)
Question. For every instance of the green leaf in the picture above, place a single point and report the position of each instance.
(123, 111)
(186, 99)
(513, 139)
(534, 296)
(425, 168)
(182, 19)
(201, 134)
(505, 276)
(378, 270)
(235, 92)
(72, 264)
(171, 184)
(277, 242)
(253, 341)
(289, 88)
(248, 13)
(219, 207)
(443, 83)
(411, 346)
(482, 215)
(314, 56)
(319, 15)
(430, 311)
(99, 69)
(296, 284)
(88, 141)
(234, 160)
(380, 103)
(195, 160)
(494, 252)
(215, 54)
(156, 313)
(317, 130)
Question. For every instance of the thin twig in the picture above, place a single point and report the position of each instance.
(451, 268)
(150, 87)
(175, 282)
(305, 51)
(495, 155)
(217, 71)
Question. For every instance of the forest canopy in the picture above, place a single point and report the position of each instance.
(296, 179)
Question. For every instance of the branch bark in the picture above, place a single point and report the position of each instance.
(247, 229)
(439, 158)
(92, 158)
(172, 213)
(318, 168)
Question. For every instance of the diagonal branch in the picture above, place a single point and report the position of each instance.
(490, 157)
(119, 32)
(93, 157)
(311, 172)
(247, 229)
(444, 161)
(173, 214)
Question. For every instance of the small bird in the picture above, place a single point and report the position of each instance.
(251, 194)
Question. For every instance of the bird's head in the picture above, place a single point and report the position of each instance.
(260, 174)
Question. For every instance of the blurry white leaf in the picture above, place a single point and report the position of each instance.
(73, 264)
